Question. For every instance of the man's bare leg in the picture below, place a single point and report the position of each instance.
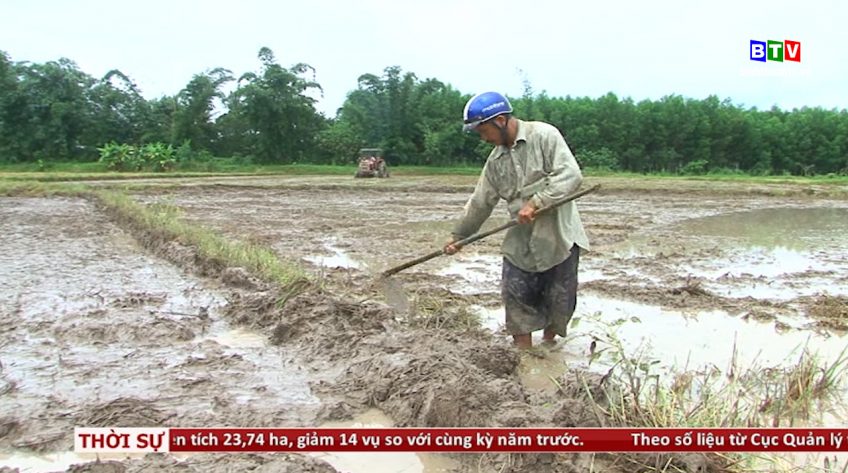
(523, 341)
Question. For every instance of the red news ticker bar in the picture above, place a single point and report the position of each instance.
(507, 440)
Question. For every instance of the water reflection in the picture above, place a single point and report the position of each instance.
(797, 229)
(766, 254)
(679, 340)
(338, 258)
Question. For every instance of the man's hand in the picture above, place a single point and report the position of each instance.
(527, 213)
(450, 248)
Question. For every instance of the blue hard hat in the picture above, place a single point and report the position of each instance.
(484, 107)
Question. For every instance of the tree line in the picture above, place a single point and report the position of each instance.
(55, 111)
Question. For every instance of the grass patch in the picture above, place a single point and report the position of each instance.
(101, 176)
(831, 186)
(166, 220)
(68, 170)
(230, 166)
(41, 189)
(54, 166)
(223, 166)
(437, 171)
(635, 393)
(751, 397)
(719, 176)
(794, 392)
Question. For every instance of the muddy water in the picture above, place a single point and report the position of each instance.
(755, 257)
(665, 278)
(771, 255)
(96, 333)
(337, 257)
(785, 252)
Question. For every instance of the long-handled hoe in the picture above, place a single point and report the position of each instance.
(392, 288)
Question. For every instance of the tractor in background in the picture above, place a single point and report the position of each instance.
(372, 163)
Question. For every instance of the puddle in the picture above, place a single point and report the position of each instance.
(382, 462)
(775, 254)
(338, 259)
(692, 339)
(682, 341)
(89, 320)
(792, 228)
(778, 274)
(239, 338)
(492, 318)
(482, 272)
(541, 373)
(269, 366)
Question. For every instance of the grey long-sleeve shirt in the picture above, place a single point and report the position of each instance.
(539, 166)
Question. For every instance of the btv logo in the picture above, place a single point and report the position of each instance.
(775, 50)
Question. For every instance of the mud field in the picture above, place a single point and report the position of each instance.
(104, 325)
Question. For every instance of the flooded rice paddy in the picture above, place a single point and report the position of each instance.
(99, 330)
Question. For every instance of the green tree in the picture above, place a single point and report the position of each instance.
(283, 123)
(118, 109)
(192, 116)
(47, 110)
(158, 120)
(338, 143)
(56, 111)
(416, 122)
(11, 110)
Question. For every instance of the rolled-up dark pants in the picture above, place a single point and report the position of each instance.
(536, 301)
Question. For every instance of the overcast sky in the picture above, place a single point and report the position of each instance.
(642, 50)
